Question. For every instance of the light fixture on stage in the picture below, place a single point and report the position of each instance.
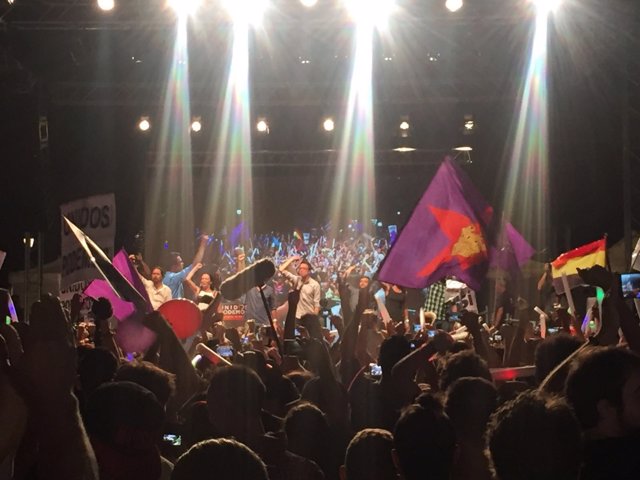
(454, 5)
(469, 125)
(238, 212)
(144, 124)
(463, 154)
(404, 143)
(546, 6)
(372, 12)
(249, 11)
(328, 125)
(105, 5)
(196, 124)
(184, 7)
(404, 125)
(262, 126)
(309, 3)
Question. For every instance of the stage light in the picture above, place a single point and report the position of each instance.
(469, 125)
(404, 125)
(454, 5)
(309, 3)
(184, 7)
(144, 124)
(262, 126)
(105, 5)
(546, 6)
(398, 212)
(371, 12)
(463, 148)
(238, 212)
(196, 124)
(328, 125)
(247, 11)
(10, 2)
(404, 149)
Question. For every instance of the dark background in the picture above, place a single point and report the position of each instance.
(94, 74)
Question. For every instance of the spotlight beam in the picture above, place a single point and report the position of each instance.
(527, 189)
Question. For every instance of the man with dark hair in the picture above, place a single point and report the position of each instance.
(463, 364)
(124, 422)
(469, 404)
(552, 351)
(309, 289)
(177, 272)
(369, 456)
(222, 458)
(604, 389)
(234, 401)
(159, 382)
(535, 437)
(158, 292)
(425, 444)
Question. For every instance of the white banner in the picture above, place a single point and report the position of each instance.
(95, 216)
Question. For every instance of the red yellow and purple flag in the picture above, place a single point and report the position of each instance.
(446, 235)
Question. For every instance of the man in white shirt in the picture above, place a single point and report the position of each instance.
(158, 292)
(309, 288)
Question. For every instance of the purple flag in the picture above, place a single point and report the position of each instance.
(239, 234)
(511, 252)
(445, 235)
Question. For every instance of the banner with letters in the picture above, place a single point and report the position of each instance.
(95, 216)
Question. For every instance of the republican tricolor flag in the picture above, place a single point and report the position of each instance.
(586, 256)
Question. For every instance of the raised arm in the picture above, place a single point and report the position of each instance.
(204, 239)
(285, 265)
(188, 279)
(45, 376)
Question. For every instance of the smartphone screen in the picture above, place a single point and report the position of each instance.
(225, 351)
(431, 333)
(173, 439)
(375, 370)
(417, 328)
(630, 283)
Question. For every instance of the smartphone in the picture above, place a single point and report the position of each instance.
(431, 333)
(375, 370)
(630, 284)
(497, 337)
(296, 332)
(173, 439)
(417, 327)
(225, 351)
(552, 331)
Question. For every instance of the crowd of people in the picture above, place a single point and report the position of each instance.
(298, 390)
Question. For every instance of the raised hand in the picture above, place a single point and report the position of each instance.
(598, 277)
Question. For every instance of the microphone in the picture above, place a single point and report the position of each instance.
(253, 276)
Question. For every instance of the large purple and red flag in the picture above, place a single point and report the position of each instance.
(446, 235)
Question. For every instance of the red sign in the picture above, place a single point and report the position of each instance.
(233, 312)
